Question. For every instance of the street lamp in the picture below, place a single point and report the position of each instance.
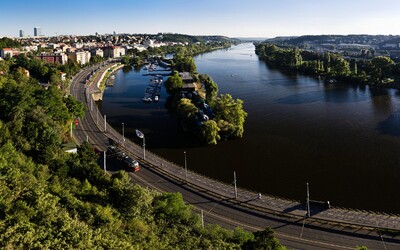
(184, 152)
(123, 133)
(141, 135)
(234, 184)
(308, 201)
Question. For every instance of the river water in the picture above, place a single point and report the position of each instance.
(343, 140)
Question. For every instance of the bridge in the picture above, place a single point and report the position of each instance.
(223, 204)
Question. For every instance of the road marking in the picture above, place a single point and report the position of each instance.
(282, 235)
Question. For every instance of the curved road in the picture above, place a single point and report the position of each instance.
(218, 204)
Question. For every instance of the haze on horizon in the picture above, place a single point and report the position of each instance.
(232, 18)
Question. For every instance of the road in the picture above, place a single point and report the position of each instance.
(217, 201)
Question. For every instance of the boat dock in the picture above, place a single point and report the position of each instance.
(152, 93)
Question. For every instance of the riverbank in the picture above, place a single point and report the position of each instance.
(102, 82)
(96, 82)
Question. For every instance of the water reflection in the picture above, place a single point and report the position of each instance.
(338, 94)
(391, 125)
(381, 100)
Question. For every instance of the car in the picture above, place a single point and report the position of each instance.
(97, 151)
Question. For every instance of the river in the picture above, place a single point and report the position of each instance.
(344, 140)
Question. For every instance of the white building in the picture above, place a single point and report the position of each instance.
(148, 42)
(6, 51)
(80, 57)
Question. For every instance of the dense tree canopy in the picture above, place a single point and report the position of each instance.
(6, 42)
(377, 71)
(209, 132)
(187, 109)
(210, 86)
(381, 68)
(230, 115)
(174, 83)
(183, 63)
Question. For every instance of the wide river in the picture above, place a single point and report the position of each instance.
(343, 140)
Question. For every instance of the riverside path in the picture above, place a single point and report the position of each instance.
(333, 228)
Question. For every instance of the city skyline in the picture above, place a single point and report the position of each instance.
(233, 18)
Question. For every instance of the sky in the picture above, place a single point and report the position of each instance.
(232, 18)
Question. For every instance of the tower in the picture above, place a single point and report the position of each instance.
(37, 31)
(21, 33)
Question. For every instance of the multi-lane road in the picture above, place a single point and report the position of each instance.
(216, 200)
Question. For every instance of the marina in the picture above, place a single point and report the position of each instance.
(152, 93)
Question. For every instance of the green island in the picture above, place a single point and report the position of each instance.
(335, 67)
(200, 109)
(50, 199)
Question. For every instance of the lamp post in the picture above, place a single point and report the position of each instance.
(123, 133)
(234, 184)
(308, 201)
(184, 152)
(104, 163)
(105, 123)
(141, 135)
(144, 148)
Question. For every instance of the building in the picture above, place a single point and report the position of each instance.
(148, 43)
(53, 58)
(188, 82)
(113, 51)
(21, 33)
(80, 57)
(37, 31)
(97, 52)
(6, 51)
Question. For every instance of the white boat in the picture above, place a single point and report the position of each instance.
(147, 99)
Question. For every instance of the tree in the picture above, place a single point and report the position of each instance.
(170, 207)
(174, 83)
(96, 59)
(126, 60)
(231, 111)
(209, 132)
(210, 86)
(338, 65)
(381, 67)
(75, 107)
(295, 58)
(184, 63)
(264, 240)
(187, 109)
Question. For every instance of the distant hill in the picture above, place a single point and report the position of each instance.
(335, 39)
(255, 39)
(170, 37)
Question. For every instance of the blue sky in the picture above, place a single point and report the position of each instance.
(233, 18)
